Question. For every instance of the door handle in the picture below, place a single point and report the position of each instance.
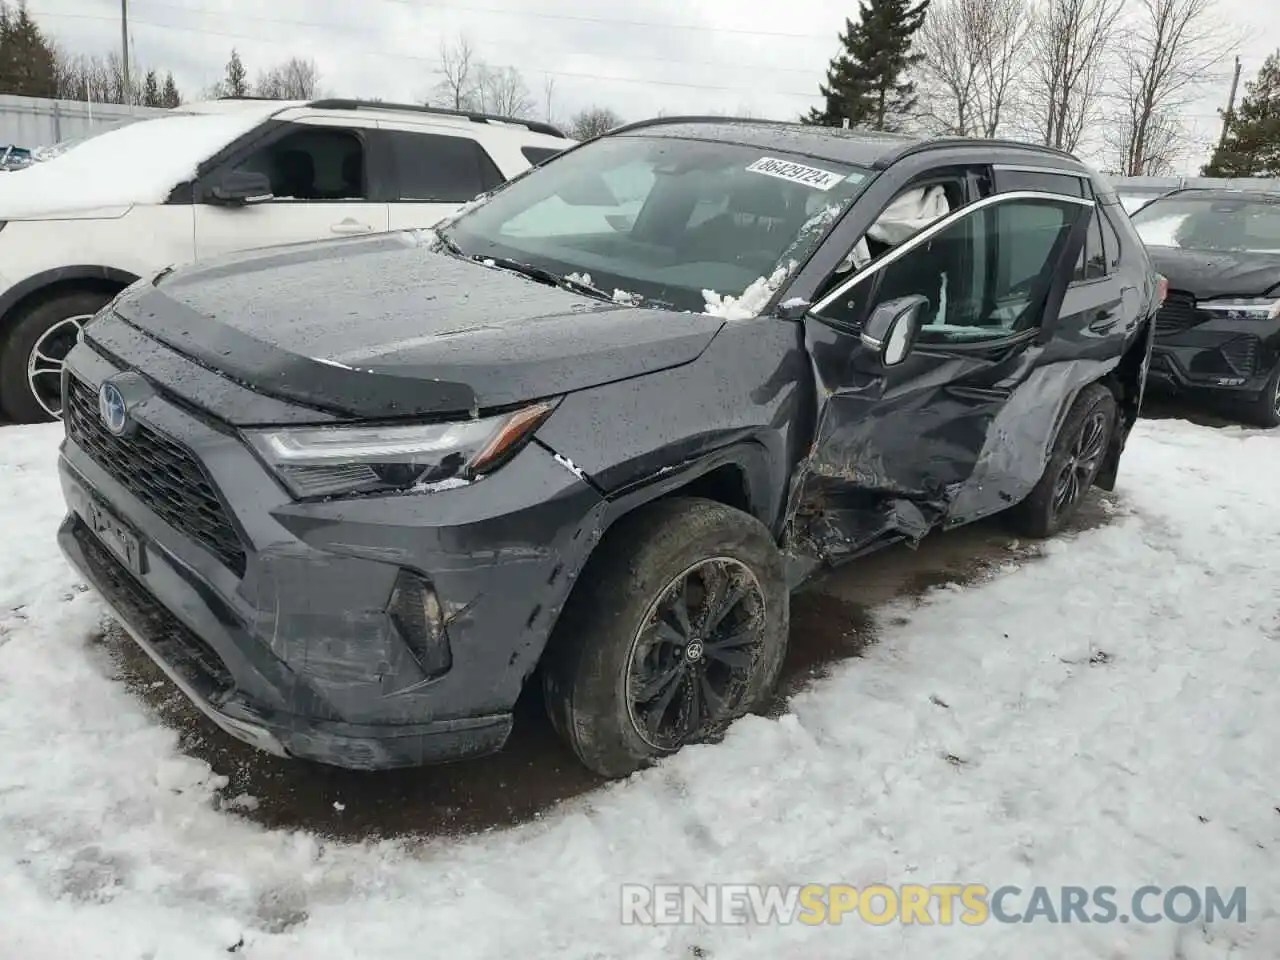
(349, 226)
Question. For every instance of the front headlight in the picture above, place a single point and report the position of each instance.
(324, 461)
(1243, 308)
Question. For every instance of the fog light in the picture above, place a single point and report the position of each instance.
(416, 615)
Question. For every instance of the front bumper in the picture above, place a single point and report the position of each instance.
(285, 637)
(1195, 351)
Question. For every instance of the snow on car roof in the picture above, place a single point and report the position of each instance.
(140, 162)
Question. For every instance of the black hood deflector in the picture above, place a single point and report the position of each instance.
(384, 327)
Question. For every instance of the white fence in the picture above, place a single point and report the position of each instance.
(35, 122)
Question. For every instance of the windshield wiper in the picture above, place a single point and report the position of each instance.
(542, 275)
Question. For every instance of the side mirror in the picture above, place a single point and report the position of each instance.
(241, 187)
(892, 328)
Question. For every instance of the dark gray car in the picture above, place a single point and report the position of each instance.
(353, 495)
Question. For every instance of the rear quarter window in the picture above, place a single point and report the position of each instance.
(432, 168)
(537, 155)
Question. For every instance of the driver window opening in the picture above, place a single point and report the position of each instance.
(315, 164)
(984, 275)
(907, 214)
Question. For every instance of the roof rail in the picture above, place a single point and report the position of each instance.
(697, 118)
(534, 126)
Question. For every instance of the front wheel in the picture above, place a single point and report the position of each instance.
(678, 627)
(1077, 457)
(33, 352)
(1265, 411)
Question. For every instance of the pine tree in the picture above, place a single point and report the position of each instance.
(236, 83)
(151, 90)
(28, 62)
(865, 80)
(1252, 145)
(170, 97)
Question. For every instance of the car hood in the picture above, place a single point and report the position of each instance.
(1207, 274)
(385, 327)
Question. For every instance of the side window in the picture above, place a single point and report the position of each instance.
(983, 275)
(1092, 262)
(1042, 181)
(1111, 240)
(313, 163)
(912, 210)
(437, 169)
(536, 155)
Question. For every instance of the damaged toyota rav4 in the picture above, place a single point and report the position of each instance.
(354, 496)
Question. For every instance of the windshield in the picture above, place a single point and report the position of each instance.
(1236, 224)
(675, 223)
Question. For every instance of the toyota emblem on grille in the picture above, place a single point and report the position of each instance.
(112, 409)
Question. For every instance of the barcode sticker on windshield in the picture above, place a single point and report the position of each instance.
(796, 172)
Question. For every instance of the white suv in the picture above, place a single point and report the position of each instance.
(218, 178)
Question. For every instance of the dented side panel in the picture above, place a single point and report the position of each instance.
(956, 431)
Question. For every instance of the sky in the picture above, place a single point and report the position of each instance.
(639, 59)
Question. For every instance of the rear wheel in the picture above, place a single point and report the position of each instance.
(1077, 457)
(678, 627)
(33, 353)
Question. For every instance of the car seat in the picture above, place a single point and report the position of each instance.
(759, 223)
(295, 175)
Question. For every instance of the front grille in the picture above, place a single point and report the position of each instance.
(158, 472)
(1177, 313)
(193, 658)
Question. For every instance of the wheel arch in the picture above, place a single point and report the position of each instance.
(739, 476)
(51, 283)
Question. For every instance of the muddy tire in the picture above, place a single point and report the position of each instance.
(32, 351)
(1077, 456)
(677, 627)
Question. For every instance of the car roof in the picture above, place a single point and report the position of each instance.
(239, 105)
(855, 146)
(268, 107)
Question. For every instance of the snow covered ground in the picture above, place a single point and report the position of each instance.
(1100, 716)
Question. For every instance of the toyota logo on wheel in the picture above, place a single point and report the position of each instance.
(112, 409)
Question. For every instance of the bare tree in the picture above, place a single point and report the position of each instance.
(1165, 60)
(1070, 52)
(295, 79)
(96, 79)
(459, 66)
(502, 91)
(592, 122)
(974, 52)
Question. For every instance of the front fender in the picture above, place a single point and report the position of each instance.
(60, 276)
(746, 401)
